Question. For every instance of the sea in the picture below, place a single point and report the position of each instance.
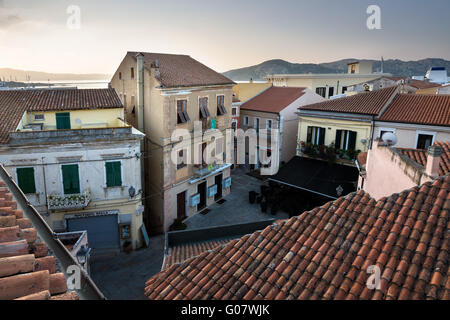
(80, 84)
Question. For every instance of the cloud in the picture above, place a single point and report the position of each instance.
(8, 17)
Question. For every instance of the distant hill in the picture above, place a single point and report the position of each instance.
(395, 67)
(7, 74)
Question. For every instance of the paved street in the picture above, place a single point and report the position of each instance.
(122, 276)
(237, 208)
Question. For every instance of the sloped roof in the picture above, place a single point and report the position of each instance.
(367, 103)
(14, 103)
(421, 109)
(273, 99)
(182, 70)
(325, 254)
(183, 252)
(421, 156)
(27, 271)
(420, 84)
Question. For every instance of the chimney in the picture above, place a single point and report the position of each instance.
(140, 91)
(433, 160)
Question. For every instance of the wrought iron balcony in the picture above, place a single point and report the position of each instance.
(66, 202)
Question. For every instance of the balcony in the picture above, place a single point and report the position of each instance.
(203, 171)
(68, 202)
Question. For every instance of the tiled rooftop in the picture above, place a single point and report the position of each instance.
(367, 103)
(420, 109)
(420, 156)
(325, 254)
(274, 99)
(14, 103)
(27, 271)
(182, 70)
(183, 252)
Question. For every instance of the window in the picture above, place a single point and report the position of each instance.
(246, 121)
(234, 111)
(125, 100)
(353, 69)
(39, 117)
(269, 124)
(113, 174)
(330, 91)
(132, 73)
(382, 131)
(345, 140)
(424, 141)
(120, 75)
(71, 179)
(63, 120)
(256, 124)
(181, 163)
(234, 125)
(316, 135)
(203, 106)
(321, 91)
(221, 106)
(344, 89)
(25, 180)
(182, 115)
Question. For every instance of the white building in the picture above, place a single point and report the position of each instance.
(77, 162)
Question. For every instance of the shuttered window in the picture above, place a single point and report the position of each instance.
(63, 120)
(221, 105)
(71, 179)
(25, 180)
(316, 135)
(345, 139)
(182, 114)
(113, 174)
(203, 105)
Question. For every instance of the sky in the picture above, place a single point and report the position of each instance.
(39, 35)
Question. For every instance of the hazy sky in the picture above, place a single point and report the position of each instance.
(223, 34)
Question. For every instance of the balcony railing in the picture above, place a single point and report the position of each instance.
(66, 202)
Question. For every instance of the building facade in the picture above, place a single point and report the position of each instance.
(77, 162)
(165, 95)
(327, 85)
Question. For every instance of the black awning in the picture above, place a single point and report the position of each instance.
(317, 176)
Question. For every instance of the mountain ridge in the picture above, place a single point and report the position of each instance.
(396, 67)
(10, 74)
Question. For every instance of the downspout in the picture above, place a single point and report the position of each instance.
(372, 130)
(88, 290)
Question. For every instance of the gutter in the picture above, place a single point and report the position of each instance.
(88, 290)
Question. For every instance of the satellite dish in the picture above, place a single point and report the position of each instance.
(390, 139)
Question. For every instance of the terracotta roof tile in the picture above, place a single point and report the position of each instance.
(27, 272)
(367, 103)
(273, 99)
(421, 109)
(420, 156)
(182, 70)
(14, 103)
(406, 236)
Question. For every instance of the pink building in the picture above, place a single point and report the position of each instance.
(389, 170)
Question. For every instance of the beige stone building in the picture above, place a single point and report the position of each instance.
(328, 85)
(165, 92)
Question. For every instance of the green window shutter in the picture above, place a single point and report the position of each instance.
(71, 180)
(25, 180)
(113, 174)
(63, 120)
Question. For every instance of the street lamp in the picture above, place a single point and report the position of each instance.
(82, 255)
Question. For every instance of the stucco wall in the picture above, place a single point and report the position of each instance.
(388, 172)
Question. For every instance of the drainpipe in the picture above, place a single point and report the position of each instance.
(140, 91)
(372, 130)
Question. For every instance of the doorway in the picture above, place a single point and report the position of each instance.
(181, 206)
(201, 189)
(219, 180)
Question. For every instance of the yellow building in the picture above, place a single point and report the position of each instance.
(328, 85)
(77, 162)
(248, 90)
(345, 124)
